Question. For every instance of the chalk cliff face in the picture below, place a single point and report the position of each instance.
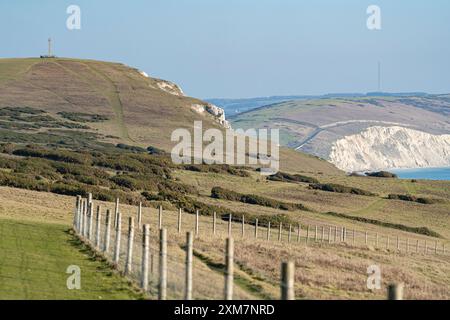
(215, 111)
(390, 147)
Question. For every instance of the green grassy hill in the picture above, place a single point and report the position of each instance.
(80, 103)
(34, 257)
(72, 127)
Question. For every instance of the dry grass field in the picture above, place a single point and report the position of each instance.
(72, 126)
(323, 270)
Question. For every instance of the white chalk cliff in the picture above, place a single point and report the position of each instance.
(379, 148)
(215, 111)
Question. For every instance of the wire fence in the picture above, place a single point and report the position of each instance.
(137, 245)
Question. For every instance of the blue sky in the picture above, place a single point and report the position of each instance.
(246, 48)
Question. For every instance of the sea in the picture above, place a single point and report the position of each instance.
(423, 173)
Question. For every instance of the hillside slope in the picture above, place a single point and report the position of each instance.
(139, 108)
(85, 100)
(315, 126)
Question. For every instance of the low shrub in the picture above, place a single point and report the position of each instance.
(406, 197)
(381, 174)
(221, 193)
(331, 187)
(418, 230)
(286, 177)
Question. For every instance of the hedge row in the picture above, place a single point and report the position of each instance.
(331, 187)
(406, 197)
(221, 193)
(287, 177)
(418, 230)
(191, 205)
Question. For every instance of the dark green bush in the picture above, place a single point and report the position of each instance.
(221, 193)
(331, 187)
(381, 174)
(287, 177)
(217, 168)
(56, 155)
(418, 230)
(406, 197)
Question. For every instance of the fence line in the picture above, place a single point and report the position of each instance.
(164, 268)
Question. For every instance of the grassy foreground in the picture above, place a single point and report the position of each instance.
(34, 257)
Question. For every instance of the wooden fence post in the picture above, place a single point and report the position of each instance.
(196, 223)
(98, 218)
(417, 246)
(90, 222)
(189, 249)
(107, 231)
(129, 261)
(75, 216)
(229, 225)
(139, 216)
(179, 221)
(366, 238)
(214, 223)
(289, 234)
(160, 217)
(323, 234)
(307, 234)
(256, 229)
(335, 233)
(144, 256)
(118, 236)
(407, 244)
(298, 232)
(315, 233)
(80, 210)
(329, 234)
(162, 292)
(395, 291)
(279, 231)
(426, 247)
(287, 281)
(268, 231)
(243, 226)
(398, 243)
(82, 214)
(387, 242)
(86, 219)
(229, 268)
(116, 212)
(435, 246)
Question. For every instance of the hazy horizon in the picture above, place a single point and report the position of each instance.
(245, 49)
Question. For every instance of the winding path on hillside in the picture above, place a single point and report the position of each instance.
(114, 99)
(319, 129)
